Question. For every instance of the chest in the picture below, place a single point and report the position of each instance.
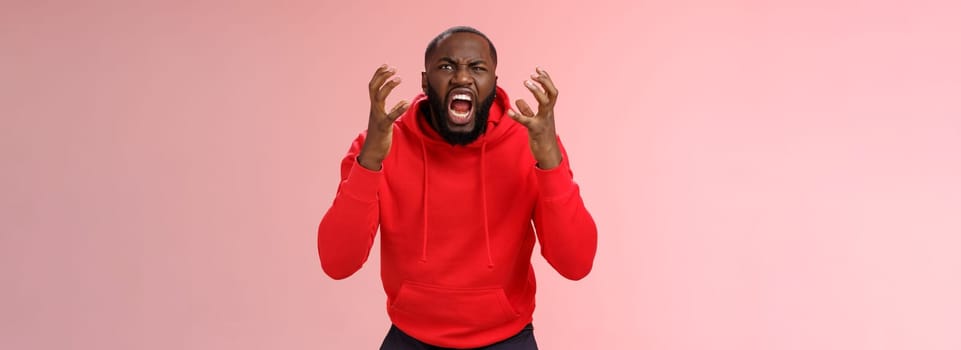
(456, 183)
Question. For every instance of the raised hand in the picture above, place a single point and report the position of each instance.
(541, 133)
(380, 125)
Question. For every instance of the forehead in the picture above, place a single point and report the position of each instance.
(462, 46)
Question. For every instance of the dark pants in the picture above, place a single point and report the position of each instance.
(398, 340)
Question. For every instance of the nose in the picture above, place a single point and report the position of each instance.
(462, 76)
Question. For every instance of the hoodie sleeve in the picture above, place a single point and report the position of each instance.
(565, 230)
(346, 233)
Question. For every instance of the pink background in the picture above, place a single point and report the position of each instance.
(764, 175)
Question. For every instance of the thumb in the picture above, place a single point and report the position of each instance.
(523, 120)
(398, 109)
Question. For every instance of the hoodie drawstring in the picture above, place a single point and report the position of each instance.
(487, 233)
(423, 149)
(483, 181)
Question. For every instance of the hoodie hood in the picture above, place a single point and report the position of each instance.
(498, 122)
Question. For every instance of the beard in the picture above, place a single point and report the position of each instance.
(436, 112)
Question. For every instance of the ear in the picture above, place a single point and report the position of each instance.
(423, 81)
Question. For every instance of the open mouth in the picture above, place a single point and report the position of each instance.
(460, 109)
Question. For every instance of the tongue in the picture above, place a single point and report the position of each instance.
(460, 106)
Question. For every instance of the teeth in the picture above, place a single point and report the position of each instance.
(460, 97)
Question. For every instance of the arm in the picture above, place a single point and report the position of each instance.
(565, 230)
(346, 233)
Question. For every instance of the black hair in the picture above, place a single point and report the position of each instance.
(458, 29)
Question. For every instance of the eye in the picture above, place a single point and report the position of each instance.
(479, 69)
(446, 66)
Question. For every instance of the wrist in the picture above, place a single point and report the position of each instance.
(549, 163)
(546, 152)
(370, 163)
(548, 158)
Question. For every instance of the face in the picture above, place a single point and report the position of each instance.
(460, 82)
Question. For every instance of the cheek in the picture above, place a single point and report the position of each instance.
(486, 80)
(438, 85)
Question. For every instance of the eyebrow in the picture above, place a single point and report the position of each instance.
(472, 62)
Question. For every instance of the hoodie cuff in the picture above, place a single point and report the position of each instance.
(362, 183)
(555, 182)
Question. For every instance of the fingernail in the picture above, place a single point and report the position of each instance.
(529, 83)
(534, 76)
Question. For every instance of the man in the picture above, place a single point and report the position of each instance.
(454, 184)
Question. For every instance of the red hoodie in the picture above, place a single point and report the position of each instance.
(456, 233)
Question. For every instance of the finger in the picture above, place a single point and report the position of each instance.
(398, 109)
(525, 108)
(542, 77)
(538, 92)
(525, 121)
(541, 71)
(380, 75)
(387, 88)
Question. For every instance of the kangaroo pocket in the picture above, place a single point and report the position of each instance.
(458, 311)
